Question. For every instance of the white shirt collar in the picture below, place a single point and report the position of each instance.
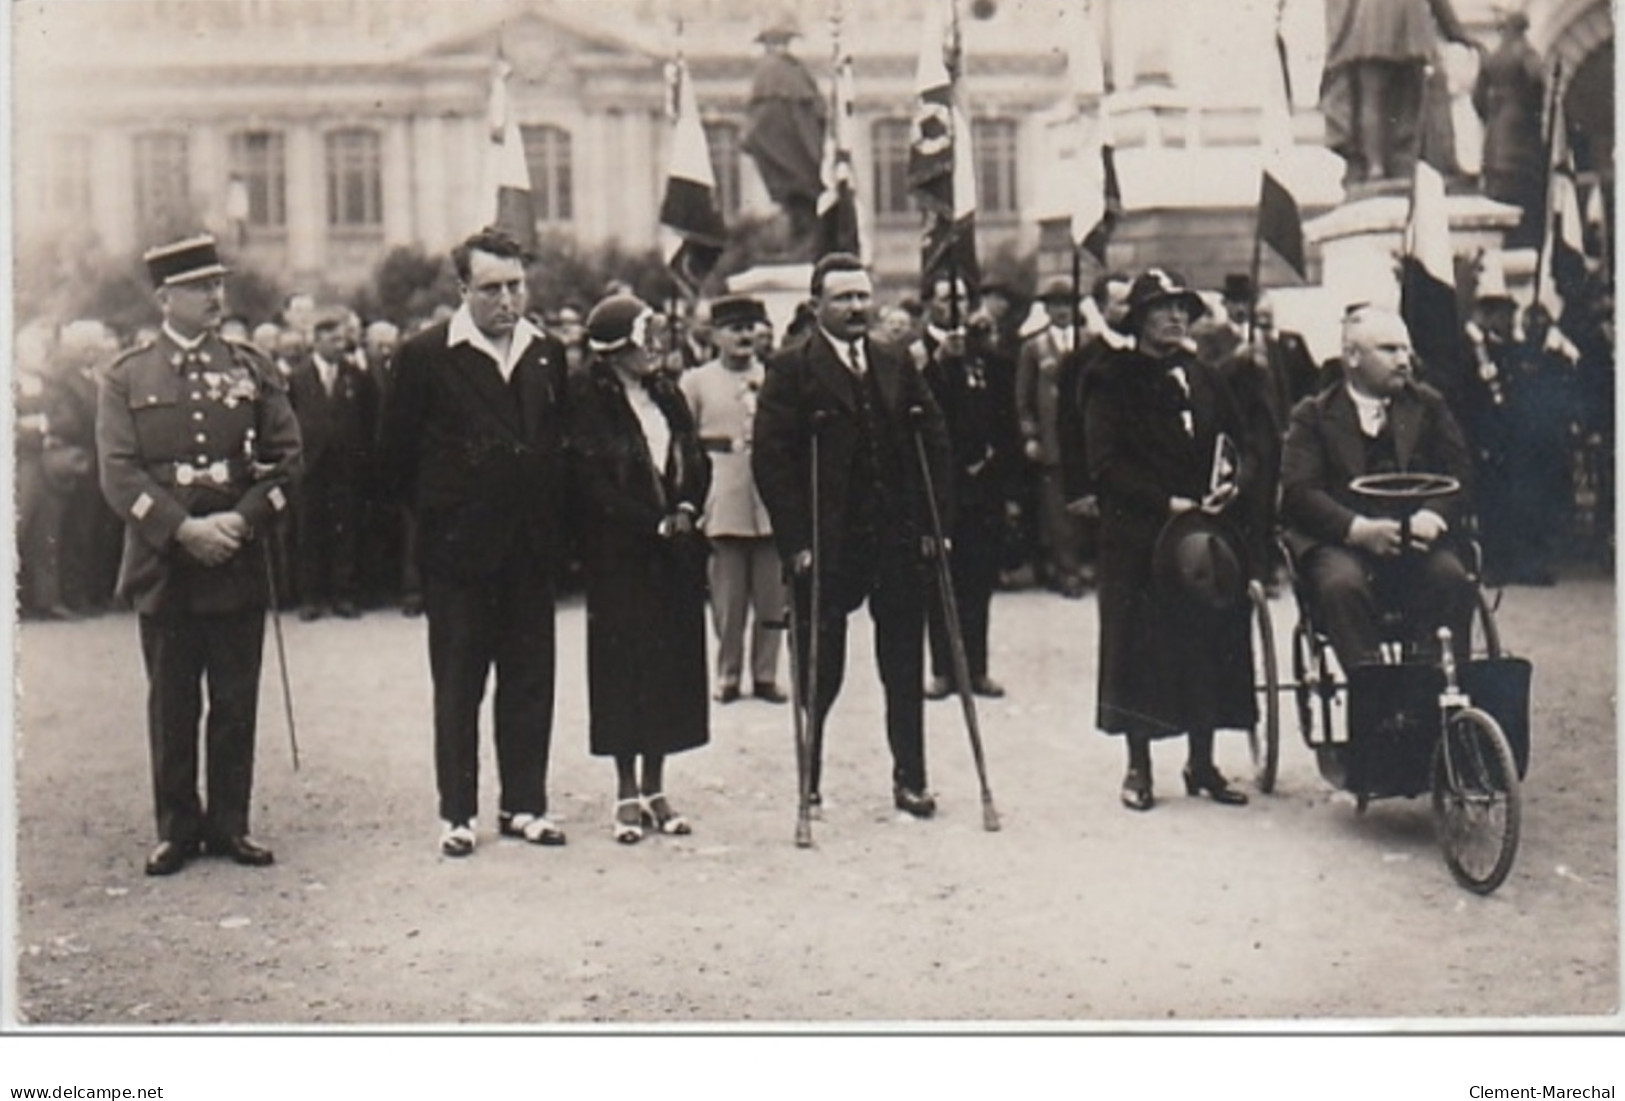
(845, 349)
(462, 330)
(181, 342)
(1373, 412)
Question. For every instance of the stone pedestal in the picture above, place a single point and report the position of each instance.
(781, 287)
(1362, 240)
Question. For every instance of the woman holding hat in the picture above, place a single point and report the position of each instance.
(638, 480)
(1174, 643)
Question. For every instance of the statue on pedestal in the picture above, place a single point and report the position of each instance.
(1377, 55)
(1509, 96)
(785, 132)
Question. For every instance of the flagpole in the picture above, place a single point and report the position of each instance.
(1546, 193)
(1257, 264)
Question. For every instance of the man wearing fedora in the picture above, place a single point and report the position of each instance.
(472, 441)
(746, 581)
(1353, 558)
(198, 447)
(1162, 434)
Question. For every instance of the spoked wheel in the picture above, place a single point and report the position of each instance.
(1264, 737)
(1308, 681)
(1476, 804)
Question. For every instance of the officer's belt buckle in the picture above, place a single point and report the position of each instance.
(217, 472)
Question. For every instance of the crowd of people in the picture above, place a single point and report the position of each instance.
(1143, 438)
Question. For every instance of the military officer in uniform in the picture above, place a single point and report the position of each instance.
(744, 570)
(198, 446)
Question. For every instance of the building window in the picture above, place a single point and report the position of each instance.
(67, 176)
(722, 139)
(893, 200)
(547, 155)
(257, 162)
(994, 142)
(162, 183)
(355, 180)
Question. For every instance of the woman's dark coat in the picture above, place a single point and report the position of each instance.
(646, 670)
(1167, 666)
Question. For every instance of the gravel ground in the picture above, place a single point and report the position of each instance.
(1077, 913)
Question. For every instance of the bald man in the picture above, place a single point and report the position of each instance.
(1355, 558)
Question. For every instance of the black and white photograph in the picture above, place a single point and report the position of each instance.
(781, 518)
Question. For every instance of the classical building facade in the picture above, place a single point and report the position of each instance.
(315, 134)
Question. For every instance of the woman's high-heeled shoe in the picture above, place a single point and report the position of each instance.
(658, 815)
(1217, 787)
(628, 833)
(1136, 793)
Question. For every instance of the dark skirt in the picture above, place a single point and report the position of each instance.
(646, 666)
(1167, 667)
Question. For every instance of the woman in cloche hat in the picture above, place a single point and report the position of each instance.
(638, 481)
(1174, 643)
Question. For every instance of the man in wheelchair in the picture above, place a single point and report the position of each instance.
(1357, 557)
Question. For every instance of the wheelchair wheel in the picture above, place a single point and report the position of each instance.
(1311, 687)
(1486, 635)
(1264, 737)
(1477, 807)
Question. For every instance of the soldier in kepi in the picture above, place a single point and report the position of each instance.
(198, 447)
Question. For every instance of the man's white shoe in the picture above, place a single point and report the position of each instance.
(456, 840)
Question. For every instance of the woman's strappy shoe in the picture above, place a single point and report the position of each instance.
(658, 816)
(628, 833)
(1136, 793)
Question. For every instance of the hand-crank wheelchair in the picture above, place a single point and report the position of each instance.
(1414, 723)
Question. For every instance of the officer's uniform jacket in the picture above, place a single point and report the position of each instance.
(189, 432)
(724, 406)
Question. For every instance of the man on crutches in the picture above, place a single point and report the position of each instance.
(835, 411)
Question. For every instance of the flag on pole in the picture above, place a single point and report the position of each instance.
(1427, 285)
(837, 201)
(1563, 254)
(941, 168)
(507, 176)
(1280, 222)
(694, 231)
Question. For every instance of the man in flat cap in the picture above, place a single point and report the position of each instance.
(745, 572)
(198, 447)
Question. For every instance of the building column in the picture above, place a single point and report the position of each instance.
(428, 140)
(400, 219)
(307, 208)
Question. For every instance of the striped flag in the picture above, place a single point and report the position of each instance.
(692, 225)
(1427, 286)
(1563, 254)
(941, 167)
(507, 187)
(837, 201)
(1280, 222)
(1097, 201)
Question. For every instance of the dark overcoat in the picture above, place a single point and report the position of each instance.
(646, 672)
(1167, 666)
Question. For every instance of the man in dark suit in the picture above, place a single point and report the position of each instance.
(865, 401)
(337, 406)
(961, 379)
(197, 447)
(1354, 558)
(472, 438)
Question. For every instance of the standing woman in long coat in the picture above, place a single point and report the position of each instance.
(639, 479)
(1169, 665)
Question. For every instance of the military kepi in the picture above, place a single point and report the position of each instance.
(183, 261)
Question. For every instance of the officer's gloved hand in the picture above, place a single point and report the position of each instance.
(207, 540)
(801, 565)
